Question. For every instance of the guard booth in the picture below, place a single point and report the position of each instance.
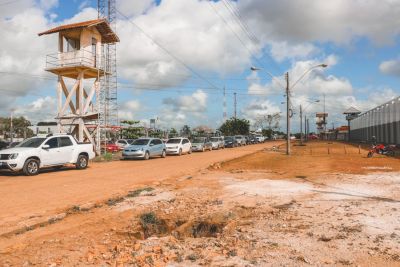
(81, 61)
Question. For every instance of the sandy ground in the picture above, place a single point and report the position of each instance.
(27, 200)
(263, 209)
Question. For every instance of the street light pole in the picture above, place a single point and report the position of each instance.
(301, 125)
(11, 127)
(287, 114)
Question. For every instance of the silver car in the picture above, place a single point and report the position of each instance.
(217, 142)
(145, 148)
(241, 140)
(201, 144)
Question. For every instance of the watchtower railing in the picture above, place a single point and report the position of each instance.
(74, 59)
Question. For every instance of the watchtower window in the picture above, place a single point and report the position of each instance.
(72, 44)
(94, 44)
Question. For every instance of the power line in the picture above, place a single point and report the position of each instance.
(250, 52)
(168, 52)
(235, 12)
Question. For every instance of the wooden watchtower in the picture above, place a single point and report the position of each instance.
(80, 59)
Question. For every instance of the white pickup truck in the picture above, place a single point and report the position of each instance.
(42, 152)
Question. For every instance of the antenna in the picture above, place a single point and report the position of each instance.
(106, 9)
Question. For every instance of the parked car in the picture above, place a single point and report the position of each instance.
(41, 152)
(3, 144)
(178, 146)
(122, 143)
(260, 138)
(201, 144)
(112, 147)
(253, 139)
(241, 140)
(217, 142)
(145, 148)
(13, 144)
(230, 141)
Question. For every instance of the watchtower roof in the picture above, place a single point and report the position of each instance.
(351, 110)
(107, 34)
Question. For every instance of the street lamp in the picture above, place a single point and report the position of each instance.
(301, 118)
(288, 89)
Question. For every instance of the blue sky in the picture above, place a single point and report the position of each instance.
(362, 50)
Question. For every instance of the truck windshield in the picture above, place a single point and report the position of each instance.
(140, 142)
(32, 142)
(173, 141)
(214, 139)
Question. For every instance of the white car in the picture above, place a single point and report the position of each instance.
(122, 143)
(40, 152)
(178, 146)
(260, 138)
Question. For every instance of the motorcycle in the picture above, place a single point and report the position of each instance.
(388, 150)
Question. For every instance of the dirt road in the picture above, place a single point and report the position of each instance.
(28, 198)
(316, 209)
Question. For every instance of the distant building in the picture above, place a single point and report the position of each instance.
(44, 128)
(383, 122)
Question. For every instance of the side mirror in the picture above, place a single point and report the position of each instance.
(45, 147)
(151, 144)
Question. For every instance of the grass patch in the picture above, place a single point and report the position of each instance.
(137, 192)
(114, 201)
(152, 225)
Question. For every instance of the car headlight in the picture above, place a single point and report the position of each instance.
(13, 156)
(175, 147)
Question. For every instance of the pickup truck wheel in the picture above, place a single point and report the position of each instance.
(82, 162)
(31, 167)
(163, 154)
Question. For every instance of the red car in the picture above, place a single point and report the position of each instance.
(111, 147)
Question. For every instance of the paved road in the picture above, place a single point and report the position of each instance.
(52, 191)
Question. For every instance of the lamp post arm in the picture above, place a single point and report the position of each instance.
(269, 74)
(305, 73)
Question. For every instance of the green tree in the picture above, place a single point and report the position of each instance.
(132, 130)
(172, 133)
(20, 125)
(186, 131)
(235, 126)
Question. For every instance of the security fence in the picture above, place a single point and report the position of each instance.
(383, 122)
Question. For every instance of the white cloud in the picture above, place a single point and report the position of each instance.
(41, 109)
(282, 50)
(180, 110)
(390, 67)
(128, 110)
(258, 109)
(134, 7)
(338, 21)
(191, 31)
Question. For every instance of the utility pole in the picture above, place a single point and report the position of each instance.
(287, 114)
(11, 127)
(301, 125)
(305, 128)
(224, 114)
(324, 117)
(235, 104)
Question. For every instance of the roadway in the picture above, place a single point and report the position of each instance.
(24, 198)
